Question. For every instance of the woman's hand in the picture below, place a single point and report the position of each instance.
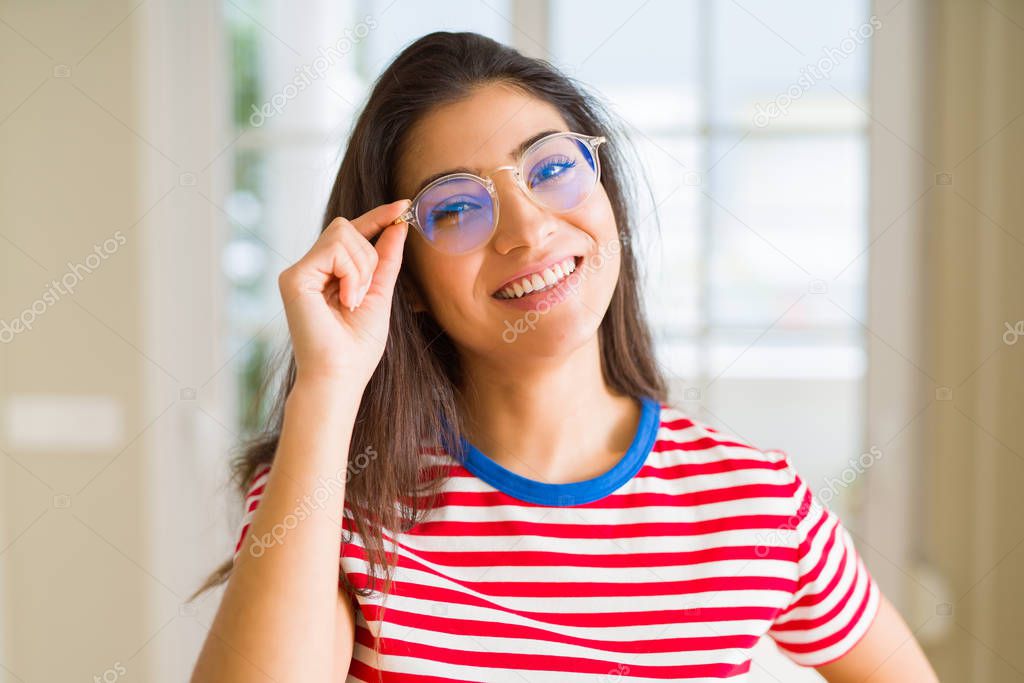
(337, 297)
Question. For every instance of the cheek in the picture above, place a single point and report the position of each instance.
(604, 261)
(597, 219)
(447, 282)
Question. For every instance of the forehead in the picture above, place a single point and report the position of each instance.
(477, 133)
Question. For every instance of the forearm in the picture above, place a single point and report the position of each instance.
(277, 617)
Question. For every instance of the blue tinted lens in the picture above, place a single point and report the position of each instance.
(561, 173)
(456, 215)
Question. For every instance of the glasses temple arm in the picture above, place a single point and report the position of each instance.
(406, 217)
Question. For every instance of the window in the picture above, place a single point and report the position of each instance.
(298, 78)
(756, 265)
(758, 170)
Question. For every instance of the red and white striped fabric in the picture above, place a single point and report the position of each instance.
(670, 566)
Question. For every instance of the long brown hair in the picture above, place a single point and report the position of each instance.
(412, 394)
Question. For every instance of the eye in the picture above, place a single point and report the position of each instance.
(453, 211)
(550, 169)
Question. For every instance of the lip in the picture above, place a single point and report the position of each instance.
(568, 287)
(537, 268)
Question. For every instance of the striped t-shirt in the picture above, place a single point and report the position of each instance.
(669, 566)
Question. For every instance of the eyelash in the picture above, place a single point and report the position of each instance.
(451, 209)
(564, 162)
(442, 212)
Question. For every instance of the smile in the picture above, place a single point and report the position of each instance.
(540, 281)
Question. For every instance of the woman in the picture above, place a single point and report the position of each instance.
(472, 384)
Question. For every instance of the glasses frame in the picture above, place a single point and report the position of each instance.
(591, 141)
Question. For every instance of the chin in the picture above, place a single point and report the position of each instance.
(560, 331)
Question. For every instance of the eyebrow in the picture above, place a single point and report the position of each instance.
(517, 152)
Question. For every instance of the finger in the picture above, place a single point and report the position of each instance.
(331, 290)
(370, 258)
(343, 267)
(359, 252)
(322, 254)
(375, 220)
(389, 251)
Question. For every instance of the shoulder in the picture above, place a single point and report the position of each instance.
(687, 439)
(721, 464)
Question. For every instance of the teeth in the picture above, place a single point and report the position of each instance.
(546, 278)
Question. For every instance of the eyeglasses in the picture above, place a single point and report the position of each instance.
(458, 212)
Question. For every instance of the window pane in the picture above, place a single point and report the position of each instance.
(643, 56)
(402, 21)
(750, 352)
(788, 214)
(295, 71)
(681, 359)
(668, 227)
(794, 53)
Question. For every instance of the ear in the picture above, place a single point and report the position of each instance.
(416, 301)
(412, 291)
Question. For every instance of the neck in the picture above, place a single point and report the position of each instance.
(552, 419)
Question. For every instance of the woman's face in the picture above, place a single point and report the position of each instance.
(461, 290)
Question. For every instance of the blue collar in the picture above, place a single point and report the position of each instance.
(573, 493)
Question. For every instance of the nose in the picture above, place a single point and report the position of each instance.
(521, 222)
